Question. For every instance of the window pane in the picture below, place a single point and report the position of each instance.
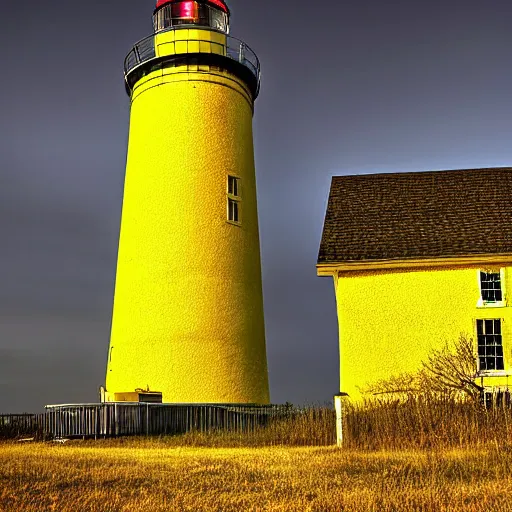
(489, 326)
(479, 327)
(218, 20)
(204, 15)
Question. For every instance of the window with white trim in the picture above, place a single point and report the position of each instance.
(234, 203)
(490, 345)
(491, 284)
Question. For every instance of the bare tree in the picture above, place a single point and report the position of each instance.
(452, 368)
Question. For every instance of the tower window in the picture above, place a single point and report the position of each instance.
(233, 186)
(234, 199)
(233, 211)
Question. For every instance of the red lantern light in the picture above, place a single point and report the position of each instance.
(187, 10)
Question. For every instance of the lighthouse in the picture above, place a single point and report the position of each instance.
(187, 322)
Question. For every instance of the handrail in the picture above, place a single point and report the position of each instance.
(235, 49)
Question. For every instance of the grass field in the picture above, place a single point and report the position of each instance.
(419, 454)
(154, 475)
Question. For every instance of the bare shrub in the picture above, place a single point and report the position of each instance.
(451, 370)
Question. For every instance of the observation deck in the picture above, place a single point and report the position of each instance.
(227, 53)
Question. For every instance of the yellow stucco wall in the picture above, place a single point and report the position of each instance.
(389, 320)
(188, 307)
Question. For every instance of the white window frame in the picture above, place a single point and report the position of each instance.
(490, 373)
(486, 304)
(234, 198)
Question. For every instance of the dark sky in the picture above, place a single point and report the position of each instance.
(348, 87)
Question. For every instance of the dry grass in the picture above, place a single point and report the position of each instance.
(417, 454)
(150, 475)
(426, 421)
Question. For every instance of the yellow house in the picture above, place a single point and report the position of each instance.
(417, 259)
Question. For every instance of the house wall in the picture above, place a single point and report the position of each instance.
(389, 320)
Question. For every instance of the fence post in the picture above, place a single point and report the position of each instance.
(339, 418)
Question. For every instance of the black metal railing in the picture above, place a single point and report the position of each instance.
(126, 419)
(233, 48)
(22, 425)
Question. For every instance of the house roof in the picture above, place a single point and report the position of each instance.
(372, 217)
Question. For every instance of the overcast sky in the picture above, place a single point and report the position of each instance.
(348, 87)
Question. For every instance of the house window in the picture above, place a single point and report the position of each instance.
(234, 199)
(490, 287)
(490, 347)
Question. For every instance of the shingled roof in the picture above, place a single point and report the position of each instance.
(421, 215)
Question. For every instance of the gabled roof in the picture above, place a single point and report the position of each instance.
(423, 215)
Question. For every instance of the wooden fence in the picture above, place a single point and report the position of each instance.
(128, 419)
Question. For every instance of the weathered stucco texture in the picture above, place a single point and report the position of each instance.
(188, 307)
(389, 320)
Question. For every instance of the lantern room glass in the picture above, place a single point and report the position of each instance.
(190, 13)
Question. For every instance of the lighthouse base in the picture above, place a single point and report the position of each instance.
(139, 395)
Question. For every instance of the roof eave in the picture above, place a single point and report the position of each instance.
(331, 268)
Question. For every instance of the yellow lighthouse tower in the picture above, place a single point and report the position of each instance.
(188, 308)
